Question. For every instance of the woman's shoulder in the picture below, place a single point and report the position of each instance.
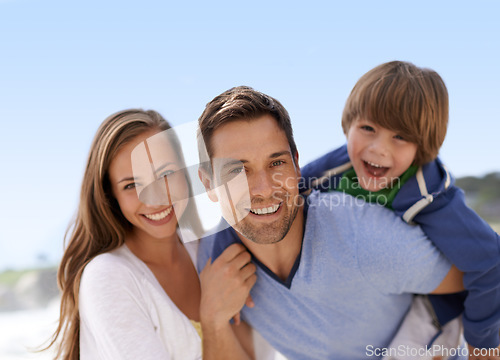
(117, 257)
(118, 265)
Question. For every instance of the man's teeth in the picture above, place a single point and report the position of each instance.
(374, 165)
(159, 216)
(265, 211)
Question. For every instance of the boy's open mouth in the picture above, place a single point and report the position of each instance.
(375, 169)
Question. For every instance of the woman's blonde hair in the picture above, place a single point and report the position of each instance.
(100, 226)
(406, 99)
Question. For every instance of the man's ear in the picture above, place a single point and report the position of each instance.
(206, 179)
(296, 160)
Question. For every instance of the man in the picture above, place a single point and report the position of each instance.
(334, 275)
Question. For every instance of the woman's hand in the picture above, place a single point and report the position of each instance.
(225, 286)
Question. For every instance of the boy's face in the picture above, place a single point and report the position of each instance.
(379, 155)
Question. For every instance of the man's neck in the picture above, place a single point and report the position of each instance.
(281, 256)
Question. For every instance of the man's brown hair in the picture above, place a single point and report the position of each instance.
(406, 99)
(242, 103)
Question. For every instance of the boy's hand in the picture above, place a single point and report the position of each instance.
(488, 354)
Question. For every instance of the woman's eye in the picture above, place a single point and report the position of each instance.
(130, 186)
(166, 173)
(399, 137)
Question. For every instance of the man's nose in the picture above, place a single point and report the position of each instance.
(261, 184)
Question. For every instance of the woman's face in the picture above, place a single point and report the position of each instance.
(149, 184)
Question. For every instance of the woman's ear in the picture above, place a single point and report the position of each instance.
(206, 179)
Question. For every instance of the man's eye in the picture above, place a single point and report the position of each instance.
(277, 163)
(237, 170)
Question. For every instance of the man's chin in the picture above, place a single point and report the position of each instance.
(264, 235)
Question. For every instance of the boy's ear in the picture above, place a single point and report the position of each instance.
(206, 179)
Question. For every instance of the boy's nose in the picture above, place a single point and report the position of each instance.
(380, 146)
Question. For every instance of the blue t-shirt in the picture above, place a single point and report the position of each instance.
(352, 283)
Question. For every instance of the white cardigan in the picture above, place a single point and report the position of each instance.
(126, 314)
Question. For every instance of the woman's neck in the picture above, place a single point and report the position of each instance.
(159, 252)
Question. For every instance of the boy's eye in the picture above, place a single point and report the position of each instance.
(367, 128)
(277, 163)
(399, 137)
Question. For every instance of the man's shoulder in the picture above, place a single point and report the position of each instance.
(214, 243)
(220, 234)
(337, 203)
(337, 208)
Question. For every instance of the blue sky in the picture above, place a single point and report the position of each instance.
(65, 66)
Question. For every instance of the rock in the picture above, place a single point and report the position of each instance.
(33, 290)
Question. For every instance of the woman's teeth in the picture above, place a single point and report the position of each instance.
(266, 211)
(159, 216)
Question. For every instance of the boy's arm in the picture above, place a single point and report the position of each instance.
(474, 248)
(452, 283)
(315, 169)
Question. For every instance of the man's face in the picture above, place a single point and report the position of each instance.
(259, 149)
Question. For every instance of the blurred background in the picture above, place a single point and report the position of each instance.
(65, 66)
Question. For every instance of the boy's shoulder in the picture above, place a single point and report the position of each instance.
(431, 182)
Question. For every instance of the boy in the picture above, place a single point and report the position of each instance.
(395, 121)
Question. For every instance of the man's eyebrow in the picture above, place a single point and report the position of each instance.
(242, 161)
(280, 153)
(234, 162)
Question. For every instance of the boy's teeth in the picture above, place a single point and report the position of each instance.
(159, 216)
(374, 165)
(265, 211)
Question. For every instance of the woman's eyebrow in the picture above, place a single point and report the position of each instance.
(135, 178)
(127, 179)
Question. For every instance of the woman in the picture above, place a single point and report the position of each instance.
(129, 286)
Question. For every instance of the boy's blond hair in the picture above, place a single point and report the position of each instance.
(406, 99)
